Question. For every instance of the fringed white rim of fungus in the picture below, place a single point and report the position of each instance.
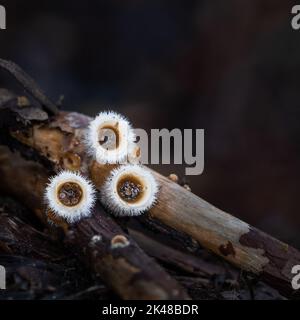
(71, 196)
(131, 181)
(123, 142)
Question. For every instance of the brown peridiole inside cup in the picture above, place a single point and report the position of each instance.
(130, 189)
(70, 194)
(109, 137)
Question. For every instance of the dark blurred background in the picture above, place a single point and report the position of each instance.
(230, 67)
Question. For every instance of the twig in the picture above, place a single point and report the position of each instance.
(29, 85)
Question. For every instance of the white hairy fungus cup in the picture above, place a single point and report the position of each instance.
(70, 196)
(130, 190)
(110, 138)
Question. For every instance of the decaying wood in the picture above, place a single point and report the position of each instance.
(58, 140)
(37, 266)
(99, 241)
(125, 267)
(236, 241)
(19, 238)
(186, 262)
(130, 272)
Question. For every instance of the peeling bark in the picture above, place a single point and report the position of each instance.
(281, 259)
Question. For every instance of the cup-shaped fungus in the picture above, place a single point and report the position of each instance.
(110, 138)
(70, 196)
(130, 190)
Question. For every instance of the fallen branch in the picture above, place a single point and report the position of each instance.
(98, 240)
(60, 142)
(236, 241)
